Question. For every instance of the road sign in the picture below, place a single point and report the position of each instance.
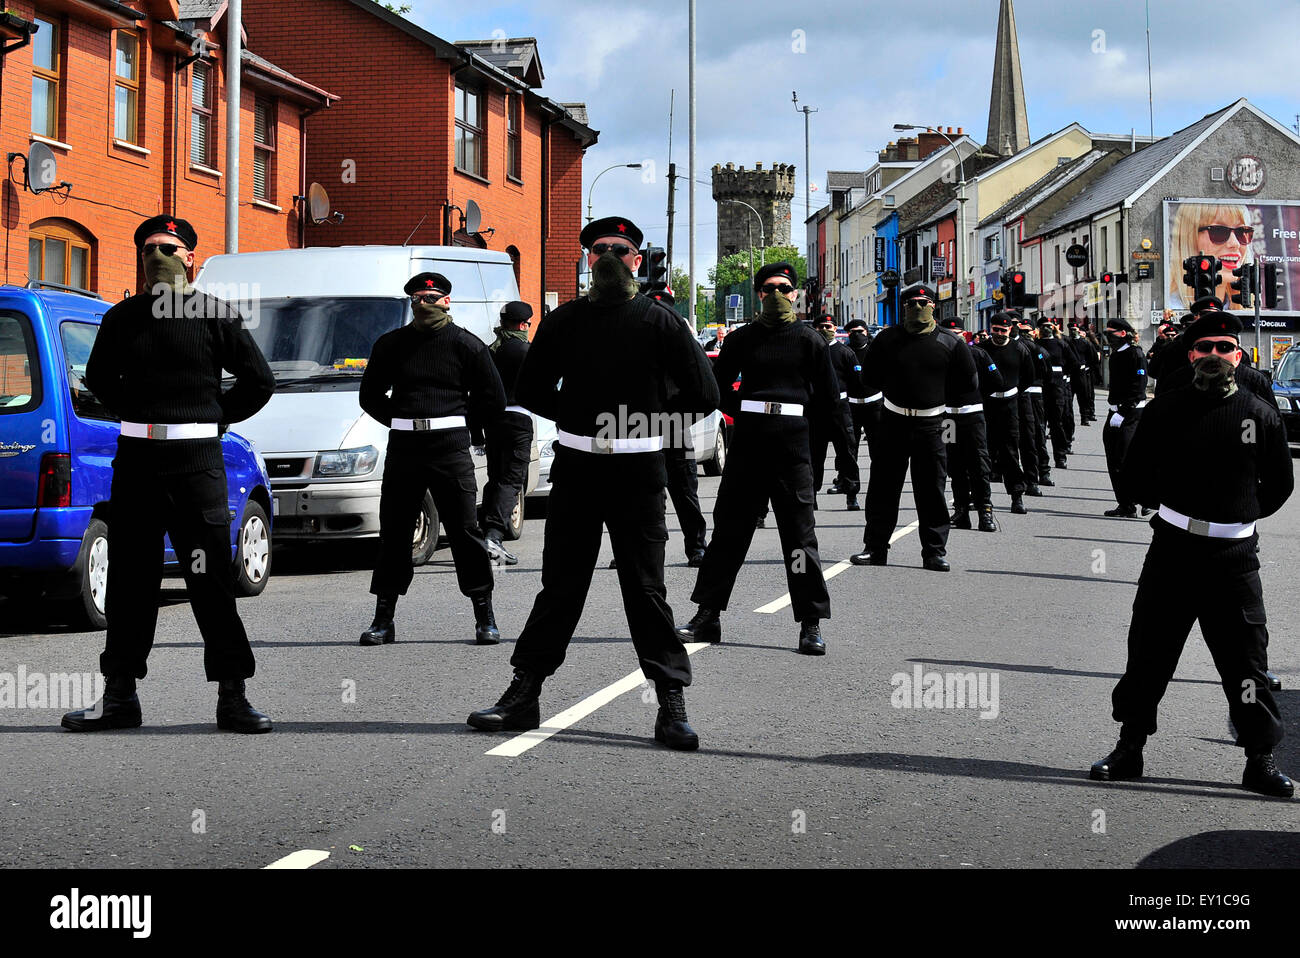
(734, 300)
(939, 266)
(1145, 270)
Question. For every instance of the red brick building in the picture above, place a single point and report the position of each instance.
(135, 120)
(423, 125)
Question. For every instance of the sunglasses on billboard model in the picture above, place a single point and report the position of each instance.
(1219, 233)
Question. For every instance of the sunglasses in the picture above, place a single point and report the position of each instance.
(1219, 234)
(427, 297)
(167, 249)
(1000, 330)
(1206, 346)
(618, 249)
(785, 288)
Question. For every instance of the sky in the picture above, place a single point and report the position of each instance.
(864, 65)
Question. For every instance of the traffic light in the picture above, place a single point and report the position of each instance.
(653, 273)
(1107, 278)
(1244, 285)
(1014, 283)
(1201, 273)
(1269, 283)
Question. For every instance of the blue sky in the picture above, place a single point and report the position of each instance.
(867, 64)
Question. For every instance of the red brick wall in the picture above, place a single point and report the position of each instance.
(562, 248)
(398, 127)
(115, 188)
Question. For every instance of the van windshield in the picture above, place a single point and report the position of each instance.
(1288, 371)
(310, 340)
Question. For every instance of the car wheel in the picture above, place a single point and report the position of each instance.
(714, 466)
(515, 524)
(88, 608)
(425, 539)
(252, 551)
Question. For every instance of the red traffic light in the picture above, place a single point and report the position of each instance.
(1205, 264)
(1108, 277)
(1017, 277)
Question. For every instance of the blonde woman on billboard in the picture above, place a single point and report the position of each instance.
(1224, 230)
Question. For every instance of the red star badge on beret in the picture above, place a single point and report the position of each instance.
(429, 283)
(171, 227)
(622, 228)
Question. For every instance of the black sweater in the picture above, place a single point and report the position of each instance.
(432, 373)
(1219, 460)
(1128, 377)
(1059, 354)
(152, 368)
(509, 359)
(1015, 366)
(919, 372)
(848, 371)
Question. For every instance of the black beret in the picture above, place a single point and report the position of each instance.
(1214, 323)
(856, 324)
(421, 282)
(516, 313)
(1004, 318)
(171, 225)
(918, 290)
(1045, 321)
(610, 226)
(776, 269)
(951, 322)
(1120, 324)
(1205, 303)
(826, 318)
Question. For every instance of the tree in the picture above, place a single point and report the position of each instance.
(734, 269)
(680, 282)
(402, 10)
(704, 309)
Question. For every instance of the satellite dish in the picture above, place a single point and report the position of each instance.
(42, 168)
(318, 204)
(473, 218)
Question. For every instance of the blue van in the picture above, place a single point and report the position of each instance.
(1286, 390)
(57, 444)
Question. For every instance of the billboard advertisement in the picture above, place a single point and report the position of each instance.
(1261, 231)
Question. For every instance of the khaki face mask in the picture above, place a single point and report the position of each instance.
(918, 319)
(777, 310)
(427, 316)
(611, 280)
(163, 270)
(1214, 375)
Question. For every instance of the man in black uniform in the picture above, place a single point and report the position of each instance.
(786, 379)
(510, 437)
(838, 429)
(921, 372)
(1084, 354)
(1030, 464)
(445, 393)
(1003, 406)
(608, 368)
(1168, 361)
(1212, 459)
(968, 456)
(1029, 336)
(156, 364)
(1061, 366)
(1128, 397)
(864, 409)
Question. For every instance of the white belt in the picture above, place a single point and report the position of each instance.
(609, 444)
(772, 408)
(934, 411)
(844, 395)
(867, 399)
(424, 425)
(1214, 530)
(170, 430)
(962, 410)
(1006, 395)
(1033, 389)
(1138, 406)
(519, 409)
(1058, 369)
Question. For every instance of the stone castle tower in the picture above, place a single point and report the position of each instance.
(768, 191)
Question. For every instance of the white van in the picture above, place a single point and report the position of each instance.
(315, 313)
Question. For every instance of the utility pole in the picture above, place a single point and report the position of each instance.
(690, 172)
(1255, 281)
(1151, 114)
(234, 48)
(672, 203)
(807, 168)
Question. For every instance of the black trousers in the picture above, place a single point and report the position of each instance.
(450, 480)
(839, 434)
(590, 493)
(191, 508)
(1085, 394)
(900, 441)
(1054, 399)
(509, 449)
(1003, 418)
(762, 467)
(866, 417)
(1115, 440)
(1067, 410)
(1028, 438)
(968, 461)
(1040, 435)
(1232, 619)
(684, 490)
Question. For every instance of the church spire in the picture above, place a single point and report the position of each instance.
(1008, 121)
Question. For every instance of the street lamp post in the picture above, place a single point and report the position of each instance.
(807, 169)
(762, 239)
(959, 275)
(630, 166)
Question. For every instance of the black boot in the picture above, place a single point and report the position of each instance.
(810, 638)
(705, 626)
(1018, 504)
(696, 558)
(1061, 463)
(1045, 480)
(382, 631)
(935, 564)
(871, 557)
(119, 708)
(485, 623)
(1122, 512)
(519, 709)
(1032, 490)
(1124, 762)
(671, 727)
(986, 519)
(834, 488)
(1262, 776)
(1274, 683)
(234, 714)
(852, 505)
(497, 551)
(960, 518)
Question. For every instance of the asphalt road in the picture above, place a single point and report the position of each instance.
(803, 761)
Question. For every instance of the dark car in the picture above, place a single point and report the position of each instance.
(1286, 389)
